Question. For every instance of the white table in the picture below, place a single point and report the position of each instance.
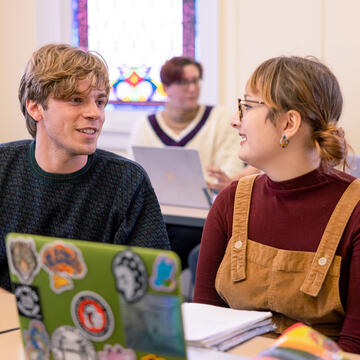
(177, 215)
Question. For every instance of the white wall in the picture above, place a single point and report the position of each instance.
(341, 50)
(252, 31)
(25, 25)
(17, 40)
(256, 30)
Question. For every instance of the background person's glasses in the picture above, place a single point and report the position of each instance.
(242, 103)
(185, 82)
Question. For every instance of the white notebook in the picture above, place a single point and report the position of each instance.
(222, 328)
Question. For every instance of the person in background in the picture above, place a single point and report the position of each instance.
(184, 122)
(58, 184)
(288, 240)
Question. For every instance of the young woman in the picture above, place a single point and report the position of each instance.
(288, 240)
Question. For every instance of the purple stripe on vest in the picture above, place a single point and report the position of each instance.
(167, 140)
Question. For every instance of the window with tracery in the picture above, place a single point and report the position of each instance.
(135, 37)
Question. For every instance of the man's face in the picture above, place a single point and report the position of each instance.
(68, 128)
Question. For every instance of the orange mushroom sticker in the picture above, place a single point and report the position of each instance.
(64, 262)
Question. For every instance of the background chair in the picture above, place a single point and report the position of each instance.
(354, 162)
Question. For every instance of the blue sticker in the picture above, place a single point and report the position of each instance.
(163, 277)
(37, 341)
(154, 325)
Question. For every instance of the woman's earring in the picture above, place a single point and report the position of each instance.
(284, 142)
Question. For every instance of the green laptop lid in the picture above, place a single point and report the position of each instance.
(87, 300)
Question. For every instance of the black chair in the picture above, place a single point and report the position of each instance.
(192, 262)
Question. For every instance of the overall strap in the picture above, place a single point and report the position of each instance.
(239, 237)
(330, 240)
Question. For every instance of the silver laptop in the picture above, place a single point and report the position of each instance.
(176, 175)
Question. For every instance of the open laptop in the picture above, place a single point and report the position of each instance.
(176, 175)
(82, 300)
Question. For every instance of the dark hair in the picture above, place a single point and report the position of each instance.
(54, 70)
(309, 87)
(172, 71)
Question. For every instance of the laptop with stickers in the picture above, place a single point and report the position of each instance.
(176, 175)
(87, 300)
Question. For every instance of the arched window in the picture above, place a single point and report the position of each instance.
(135, 37)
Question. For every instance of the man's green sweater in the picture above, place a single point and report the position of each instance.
(110, 200)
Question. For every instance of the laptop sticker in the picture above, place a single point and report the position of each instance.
(116, 352)
(37, 341)
(23, 258)
(151, 357)
(28, 301)
(154, 325)
(68, 342)
(170, 176)
(130, 276)
(63, 262)
(92, 315)
(163, 274)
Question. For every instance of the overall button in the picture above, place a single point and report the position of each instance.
(322, 261)
(238, 244)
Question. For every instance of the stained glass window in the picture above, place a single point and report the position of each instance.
(135, 37)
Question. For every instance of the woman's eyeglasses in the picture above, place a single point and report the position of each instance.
(242, 104)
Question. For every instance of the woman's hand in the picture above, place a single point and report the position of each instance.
(222, 180)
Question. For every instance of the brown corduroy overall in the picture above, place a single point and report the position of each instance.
(294, 285)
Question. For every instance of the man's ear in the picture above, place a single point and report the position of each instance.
(35, 110)
(291, 123)
(165, 88)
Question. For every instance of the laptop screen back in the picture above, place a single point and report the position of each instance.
(87, 300)
(176, 175)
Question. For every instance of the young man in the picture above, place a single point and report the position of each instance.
(59, 184)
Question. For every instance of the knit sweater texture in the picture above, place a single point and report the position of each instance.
(109, 200)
